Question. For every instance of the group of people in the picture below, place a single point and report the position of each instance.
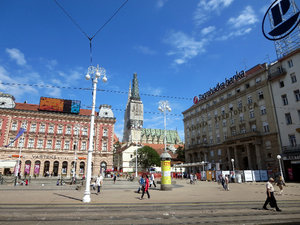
(98, 182)
(145, 183)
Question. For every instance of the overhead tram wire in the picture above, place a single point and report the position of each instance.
(90, 38)
(88, 89)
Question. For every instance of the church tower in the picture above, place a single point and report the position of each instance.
(134, 114)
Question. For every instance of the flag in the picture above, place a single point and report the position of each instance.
(21, 131)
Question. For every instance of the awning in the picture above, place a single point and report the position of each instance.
(7, 164)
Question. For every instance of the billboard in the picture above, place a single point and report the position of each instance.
(59, 105)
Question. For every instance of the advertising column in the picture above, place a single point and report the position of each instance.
(166, 182)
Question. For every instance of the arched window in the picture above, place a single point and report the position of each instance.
(64, 168)
(27, 167)
(82, 168)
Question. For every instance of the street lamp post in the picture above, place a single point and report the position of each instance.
(94, 73)
(203, 170)
(166, 183)
(279, 161)
(232, 161)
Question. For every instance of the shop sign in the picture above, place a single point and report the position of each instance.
(49, 157)
(219, 86)
(284, 20)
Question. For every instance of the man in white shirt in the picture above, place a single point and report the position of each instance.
(99, 182)
(270, 196)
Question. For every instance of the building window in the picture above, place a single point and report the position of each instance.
(10, 141)
(21, 142)
(292, 139)
(249, 99)
(297, 95)
(68, 131)
(24, 125)
(281, 83)
(243, 130)
(258, 80)
(251, 114)
(58, 144)
(299, 114)
(49, 144)
(293, 78)
(225, 136)
(290, 63)
(241, 117)
(84, 132)
(247, 85)
(232, 121)
(263, 110)
(60, 129)
(266, 127)
(51, 129)
(42, 128)
(238, 90)
(217, 125)
(233, 131)
(218, 139)
(30, 143)
(83, 145)
(104, 146)
(288, 118)
(253, 127)
(14, 126)
(240, 104)
(33, 127)
(40, 143)
(212, 153)
(105, 132)
(284, 99)
(260, 95)
(67, 145)
(224, 123)
(219, 151)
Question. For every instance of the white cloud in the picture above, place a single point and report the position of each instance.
(235, 33)
(145, 50)
(246, 18)
(161, 3)
(208, 30)
(16, 55)
(206, 7)
(184, 46)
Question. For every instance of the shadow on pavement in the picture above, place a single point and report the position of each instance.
(77, 199)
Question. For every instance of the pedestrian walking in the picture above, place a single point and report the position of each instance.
(191, 178)
(280, 184)
(152, 179)
(226, 183)
(145, 188)
(270, 196)
(115, 178)
(141, 184)
(223, 182)
(99, 182)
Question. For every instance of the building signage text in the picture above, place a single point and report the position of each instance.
(219, 86)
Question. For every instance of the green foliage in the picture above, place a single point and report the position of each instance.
(180, 154)
(148, 157)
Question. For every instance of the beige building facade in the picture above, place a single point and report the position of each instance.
(233, 126)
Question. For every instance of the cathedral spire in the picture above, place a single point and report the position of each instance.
(135, 95)
(129, 92)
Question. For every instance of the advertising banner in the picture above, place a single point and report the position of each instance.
(166, 172)
(27, 168)
(256, 175)
(263, 175)
(248, 175)
(36, 168)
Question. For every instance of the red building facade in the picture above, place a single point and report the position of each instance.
(54, 141)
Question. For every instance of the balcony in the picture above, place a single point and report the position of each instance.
(291, 148)
(276, 73)
(243, 135)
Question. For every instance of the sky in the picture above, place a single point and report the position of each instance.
(178, 48)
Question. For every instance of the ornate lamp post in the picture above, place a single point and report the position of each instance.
(203, 170)
(95, 73)
(166, 183)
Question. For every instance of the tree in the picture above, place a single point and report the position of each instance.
(148, 157)
(180, 154)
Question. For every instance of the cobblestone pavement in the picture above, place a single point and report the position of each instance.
(202, 203)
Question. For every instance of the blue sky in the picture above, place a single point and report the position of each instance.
(178, 48)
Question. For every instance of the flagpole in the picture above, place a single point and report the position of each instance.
(18, 165)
